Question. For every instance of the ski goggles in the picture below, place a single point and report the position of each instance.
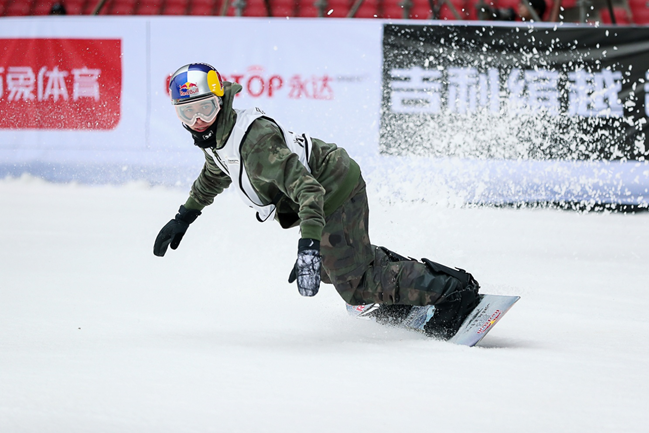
(205, 109)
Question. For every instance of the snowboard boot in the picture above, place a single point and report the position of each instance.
(449, 316)
(456, 306)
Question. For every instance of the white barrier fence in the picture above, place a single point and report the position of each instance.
(84, 98)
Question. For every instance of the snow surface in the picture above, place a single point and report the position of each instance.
(99, 335)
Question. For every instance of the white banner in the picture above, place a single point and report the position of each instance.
(311, 75)
(317, 76)
(73, 108)
(22, 142)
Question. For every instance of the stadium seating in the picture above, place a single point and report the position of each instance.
(548, 9)
(121, 7)
(641, 17)
(283, 8)
(568, 4)
(18, 8)
(254, 8)
(306, 8)
(149, 7)
(421, 10)
(392, 9)
(72, 7)
(89, 6)
(621, 16)
(201, 7)
(445, 13)
(337, 8)
(473, 6)
(639, 11)
(42, 7)
(369, 9)
(175, 7)
(506, 4)
(627, 12)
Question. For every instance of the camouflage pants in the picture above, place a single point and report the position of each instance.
(363, 273)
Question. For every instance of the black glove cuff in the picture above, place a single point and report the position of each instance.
(308, 244)
(187, 216)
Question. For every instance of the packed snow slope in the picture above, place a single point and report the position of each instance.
(99, 335)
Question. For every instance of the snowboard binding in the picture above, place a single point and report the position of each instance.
(442, 320)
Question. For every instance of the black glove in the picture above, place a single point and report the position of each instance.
(307, 267)
(173, 232)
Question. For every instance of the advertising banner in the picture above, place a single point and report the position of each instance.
(56, 83)
(315, 76)
(73, 100)
(85, 98)
(497, 113)
(515, 92)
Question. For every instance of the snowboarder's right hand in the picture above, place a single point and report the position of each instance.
(307, 267)
(173, 232)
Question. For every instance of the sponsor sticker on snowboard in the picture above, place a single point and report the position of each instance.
(361, 311)
(484, 317)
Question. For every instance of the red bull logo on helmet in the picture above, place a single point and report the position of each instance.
(188, 89)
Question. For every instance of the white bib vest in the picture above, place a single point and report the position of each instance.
(228, 158)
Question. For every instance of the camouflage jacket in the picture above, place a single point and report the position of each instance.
(276, 173)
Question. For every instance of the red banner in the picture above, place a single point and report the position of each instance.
(60, 83)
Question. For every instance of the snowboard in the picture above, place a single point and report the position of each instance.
(478, 323)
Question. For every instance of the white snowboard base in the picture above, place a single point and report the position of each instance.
(488, 312)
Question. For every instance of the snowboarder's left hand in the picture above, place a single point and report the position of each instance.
(307, 267)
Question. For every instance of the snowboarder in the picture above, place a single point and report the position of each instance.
(303, 181)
